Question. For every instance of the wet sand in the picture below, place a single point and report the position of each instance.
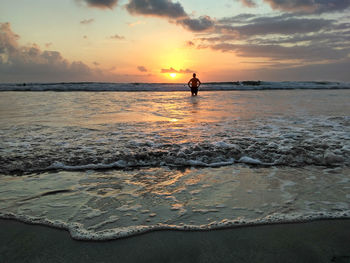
(318, 241)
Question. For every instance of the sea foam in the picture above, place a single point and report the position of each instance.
(114, 204)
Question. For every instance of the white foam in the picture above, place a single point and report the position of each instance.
(214, 164)
(249, 160)
(226, 145)
(84, 153)
(78, 232)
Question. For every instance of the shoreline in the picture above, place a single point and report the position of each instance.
(314, 241)
(134, 232)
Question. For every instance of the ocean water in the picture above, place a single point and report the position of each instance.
(105, 165)
(210, 86)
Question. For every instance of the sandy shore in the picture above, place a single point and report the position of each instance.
(319, 241)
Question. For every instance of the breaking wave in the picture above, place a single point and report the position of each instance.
(210, 86)
(321, 142)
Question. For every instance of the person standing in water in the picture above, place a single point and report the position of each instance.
(194, 84)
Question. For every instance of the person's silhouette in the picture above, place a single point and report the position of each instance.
(194, 84)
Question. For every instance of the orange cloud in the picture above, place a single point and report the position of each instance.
(172, 70)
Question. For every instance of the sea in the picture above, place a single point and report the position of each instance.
(111, 160)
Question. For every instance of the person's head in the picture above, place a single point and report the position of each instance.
(194, 75)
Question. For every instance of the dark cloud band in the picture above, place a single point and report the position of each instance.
(274, 25)
(87, 21)
(162, 8)
(173, 11)
(142, 68)
(102, 3)
(199, 24)
(304, 6)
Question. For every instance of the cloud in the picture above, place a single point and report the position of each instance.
(8, 39)
(304, 6)
(278, 52)
(173, 11)
(283, 37)
(142, 69)
(116, 36)
(170, 10)
(309, 6)
(281, 29)
(331, 38)
(101, 3)
(336, 71)
(172, 70)
(87, 21)
(190, 44)
(30, 63)
(160, 8)
(248, 3)
(277, 25)
(136, 23)
(241, 18)
(197, 24)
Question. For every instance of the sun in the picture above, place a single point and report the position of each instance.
(173, 75)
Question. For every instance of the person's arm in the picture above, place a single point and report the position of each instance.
(189, 83)
(199, 83)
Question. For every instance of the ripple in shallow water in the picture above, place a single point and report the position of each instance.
(111, 204)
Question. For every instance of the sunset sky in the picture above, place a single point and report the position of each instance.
(146, 40)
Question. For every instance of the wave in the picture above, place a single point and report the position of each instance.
(294, 153)
(210, 86)
(78, 232)
(319, 142)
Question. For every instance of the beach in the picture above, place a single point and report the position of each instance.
(318, 241)
(243, 176)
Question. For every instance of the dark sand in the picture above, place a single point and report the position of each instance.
(318, 241)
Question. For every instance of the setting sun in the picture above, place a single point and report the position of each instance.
(173, 75)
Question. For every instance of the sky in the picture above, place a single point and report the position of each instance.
(166, 41)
